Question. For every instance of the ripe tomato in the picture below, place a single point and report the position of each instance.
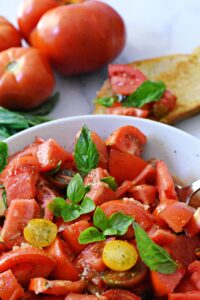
(9, 36)
(69, 36)
(26, 79)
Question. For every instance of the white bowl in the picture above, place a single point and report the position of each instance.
(180, 150)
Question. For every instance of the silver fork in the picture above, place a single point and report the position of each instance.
(186, 192)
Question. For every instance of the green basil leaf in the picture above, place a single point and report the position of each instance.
(147, 92)
(4, 133)
(70, 213)
(87, 206)
(110, 231)
(154, 256)
(54, 171)
(12, 119)
(87, 188)
(100, 219)
(120, 222)
(85, 154)
(36, 120)
(110, 180)
(76, 189)
(3, 155)
(91, 235)
(57, 205)
(4, 198)
(106, 101)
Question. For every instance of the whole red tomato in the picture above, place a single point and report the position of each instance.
(76, 38)
(9, 36)
(26, 78)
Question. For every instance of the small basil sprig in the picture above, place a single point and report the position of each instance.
(76, 193)
(106, 101)
(54, 171)
(110, 180)
(147, 92)
(3, 155)
(85, 153)
(116, 224)
(154, 256)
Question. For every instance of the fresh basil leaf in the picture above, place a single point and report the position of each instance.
(110, 231)
(87, 188)
(57, 205)
(12, 119)
(147, 92)
(154, 256)
(4, 198)
(87, 206)
(120, 222)
(54, 171)
(100, 219)
(76, 189)
(85, 154)
(4, 133)
(106, 101)
(91, 235)
(110, 180)
(36, 120)
(3, 155)
(70, 213)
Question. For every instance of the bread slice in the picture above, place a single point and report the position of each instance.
(181, 74)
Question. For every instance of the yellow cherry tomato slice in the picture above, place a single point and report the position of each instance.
(119, 255)
(40, 232)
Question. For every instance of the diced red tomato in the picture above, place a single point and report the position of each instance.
(127, 139)
(165, 183)
(125, 166)
(50, 153)
(20, 178)
(119, 294)
(177, 215)
(95, 175)
(19, 213)
(31, 296)
(102, 150)
(55, 287)
(64, 268)
(166, 104)
(129, 207)
(71, 234)
(127, 111)
(161, 236)
(159, 208)
(192, 228)
(80, 297)
(123, 189)
(9, 287)
(185, 285)
(193, 295)
(194, 268)
(125, 79)
(163, 284)
(148, 176)
(144, 193)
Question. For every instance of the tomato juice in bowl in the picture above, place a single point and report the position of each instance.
(121, 232)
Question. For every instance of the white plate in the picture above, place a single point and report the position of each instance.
(180, 150)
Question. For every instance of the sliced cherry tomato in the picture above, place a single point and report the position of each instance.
(166, 104)
(73, 296)
(127, 279)
(125, 166)
(125, 79)
(40, 232)
(144, 193)
(19, 213)
(9, 36)
(119, 294)
(119, 255)
(127, 139)
(127, 111)
(9, 287)
(55, 287)
(193, 295)
(101, 148)
(65, 268)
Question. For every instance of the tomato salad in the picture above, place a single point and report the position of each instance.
(98, 223)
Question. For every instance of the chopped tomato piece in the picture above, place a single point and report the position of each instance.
(161, 236)
(194, 268)
(20, 178)
(10, 289)
(129, 207)
(71, 234)
(101, 148)
(193, 295)
(95, 176)
(127, 139)
(185, 285)
(125, 166)
(123, 189)
(163, 284)
(80, 297)
(55, 287)
(192, 228)
(125, 79)
(119, 294)
(166, 104)
(19, 213)
(144, 193)
(165, 182)
(127, 111)
(64, 268)
(177, 215)
(159, 208)
(50, 153)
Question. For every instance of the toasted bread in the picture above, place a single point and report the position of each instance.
(181, 74)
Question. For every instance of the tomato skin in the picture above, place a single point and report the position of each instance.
(119, 294)
(161, 236)
(9, 287)
(166, 104)
(84, 34)
(9, 35)
(193, 295)
(127, 111)
(72, 296)
(192, 228)
(144, 193)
